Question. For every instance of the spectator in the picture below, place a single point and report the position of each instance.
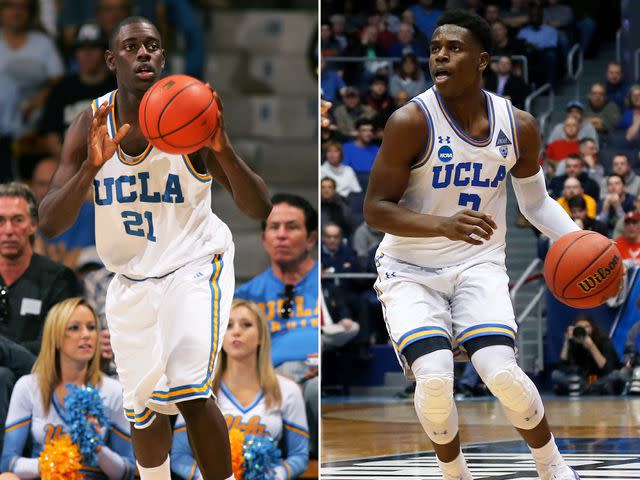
(331, 82)
(578, 211)
(287, 293)
(621, 165)
(337, 256)
(616, 85)
(110, 13)
(426, 16)
(30, 284)
(629, 242)
(333, 207)
(364, 240)
(42, 175)
(335, 334)
(409, 18)
(343, 175)
(572, 189)
(557, 15)
(615, 203)
(630, 121)
(589, 354)
(575, 109)
(409, 77)
(504, 83)
(603, 114)
(69, 356)
(590, 155)
(28, 60)
(75, 91)
(329, 46)
(559, 149)
(380, 101)
(406, 43)
(338, 29)
(361, 152)
(619, 228)
(491, 13)
(383, 9)
(574, 167)
(347, 114)
(252, 397)
(502, 43)
(517, 16)
(542, 47)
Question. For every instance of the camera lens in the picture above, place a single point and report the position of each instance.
(579, 332)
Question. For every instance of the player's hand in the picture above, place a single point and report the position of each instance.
(100, 145)
(220, 140)
(466, 223)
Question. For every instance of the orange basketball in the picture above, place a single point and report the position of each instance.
(178, 114)
(583, 269)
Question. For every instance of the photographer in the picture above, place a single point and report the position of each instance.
(589, 362)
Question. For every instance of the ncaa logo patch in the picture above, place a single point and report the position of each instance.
(445, 154)
(504, 151)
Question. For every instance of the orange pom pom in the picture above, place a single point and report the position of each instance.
(236, 439)
(60, 460)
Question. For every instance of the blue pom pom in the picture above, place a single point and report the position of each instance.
(80, 403)
(261, 455)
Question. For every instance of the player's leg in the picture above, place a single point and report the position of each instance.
(151, 446)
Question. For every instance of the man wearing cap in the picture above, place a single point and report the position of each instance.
(629, 242)
(587, 130)
(350, 111)
(75, 91)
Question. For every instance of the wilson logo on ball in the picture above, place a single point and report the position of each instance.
(592, 281)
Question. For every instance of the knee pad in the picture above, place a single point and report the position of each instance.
(434, 405)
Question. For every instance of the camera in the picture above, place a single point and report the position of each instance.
(579, 333)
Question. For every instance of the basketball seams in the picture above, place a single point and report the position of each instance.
(166, 105)
(604, 285)
(162, 135)
(586, 233)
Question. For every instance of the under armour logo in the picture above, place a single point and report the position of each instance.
(390, 274)
(444, 139)
(440, 433)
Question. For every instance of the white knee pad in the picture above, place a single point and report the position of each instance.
(433, 398)
(518, 395)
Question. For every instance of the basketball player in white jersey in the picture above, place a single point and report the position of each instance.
(168, 305)
(438, 191)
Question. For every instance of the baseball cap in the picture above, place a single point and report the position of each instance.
(575, 104)
(632, 217)
(90, 35)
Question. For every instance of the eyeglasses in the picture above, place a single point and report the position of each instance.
(4, 304)
(287, 304)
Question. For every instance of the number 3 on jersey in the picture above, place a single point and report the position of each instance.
(470, 198)
(134, 224)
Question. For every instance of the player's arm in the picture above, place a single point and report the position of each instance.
(248, 190)
(82, 157)
(529, 184)
(404, 140)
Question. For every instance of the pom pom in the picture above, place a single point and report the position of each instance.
(236, 439)
(261, 456)
(84, 408)
(60, 460)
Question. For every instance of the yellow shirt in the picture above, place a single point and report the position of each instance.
(589, 200)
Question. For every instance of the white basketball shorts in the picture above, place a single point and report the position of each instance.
(166, 334)
(458, 303)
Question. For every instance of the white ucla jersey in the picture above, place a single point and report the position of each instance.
(153, 212)
(455, 173)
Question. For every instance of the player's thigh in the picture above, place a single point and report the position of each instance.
(481, 305)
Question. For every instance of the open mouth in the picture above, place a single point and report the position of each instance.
(442, 75)
(144, 71)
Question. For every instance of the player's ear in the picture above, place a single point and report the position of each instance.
(484, 61)
(164, 58)
(111, 61)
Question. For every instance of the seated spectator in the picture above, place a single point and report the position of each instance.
(408, 77)
(574, 167)
(617, 87)
(426, 15)
(331, 82)
(407, 16)
(336, 255)
(364, 240)
(329, 46)
(338, 24)
(368, 47)
(334, 209)
(380, 101)
(629, 242)
(587, 355)
(517, 15)
(502, 43)
(542, 48)
(343, 175)
(406, 43)
(578, 211)
(615, 203)
(557, 15)
(347, 114)
(621, 165)
(589, 153)
(572, 189)
(491, 13)
(252, 397)
(336, 334)
(559, 149)
(360, 153)
(504, 83)
(630, 121)
(603, 114)
(70, 355)
(619, 228)
(575, 109)
(387, 16)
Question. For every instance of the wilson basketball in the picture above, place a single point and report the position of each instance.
(583, 269)
(178, 114)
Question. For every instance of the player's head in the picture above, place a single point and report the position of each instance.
(459, 49)
(18, 220)
(248, 339)
(69, 337)
(135, 54)
(290, 233)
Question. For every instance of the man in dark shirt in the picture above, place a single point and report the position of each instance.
(574, 168)
(75, 91)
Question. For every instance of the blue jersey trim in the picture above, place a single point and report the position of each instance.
(459, 131)
(235, 401)
(430, 136)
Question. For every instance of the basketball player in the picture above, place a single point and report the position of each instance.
(168, 305)
(438, 191)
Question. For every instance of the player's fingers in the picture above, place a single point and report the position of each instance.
(479, 222)
(469, 239)
(122, 131)
(218, 101)
(484, 216)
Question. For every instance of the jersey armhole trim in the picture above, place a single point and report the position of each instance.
(429, 148)
(515, 128)
(198, 176)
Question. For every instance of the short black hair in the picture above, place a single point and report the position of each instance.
(127, 21)
(577, 202)
(363, 121)
(616, 175)
(477, 25)
(310, 213)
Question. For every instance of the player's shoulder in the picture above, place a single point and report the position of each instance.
(526, 121)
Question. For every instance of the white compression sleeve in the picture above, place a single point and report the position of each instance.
(540, 209)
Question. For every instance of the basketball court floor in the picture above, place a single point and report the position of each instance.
(380, 438)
